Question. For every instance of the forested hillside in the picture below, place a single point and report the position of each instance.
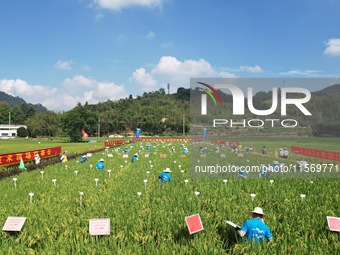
(158, 113)
(17, 101)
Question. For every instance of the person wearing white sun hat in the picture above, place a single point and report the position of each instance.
(255, 229)
(165, 175)
(100, 164)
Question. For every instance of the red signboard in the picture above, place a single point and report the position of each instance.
(14, 158)
(333, 223)
(113, 143)
(194, 223)
(330, 155)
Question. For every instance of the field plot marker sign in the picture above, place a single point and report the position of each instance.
(14, 223)
(194, 223)
(333, 223)
(99, 227)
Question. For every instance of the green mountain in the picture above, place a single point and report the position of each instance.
(16, 101)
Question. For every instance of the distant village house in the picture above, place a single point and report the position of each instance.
(8, 131)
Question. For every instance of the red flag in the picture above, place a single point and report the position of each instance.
(84, 133)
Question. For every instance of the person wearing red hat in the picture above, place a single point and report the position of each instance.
(255, 229)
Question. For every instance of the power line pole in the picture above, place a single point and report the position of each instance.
(99, 127)
(168, 88)
(9, 124)
(183, 126)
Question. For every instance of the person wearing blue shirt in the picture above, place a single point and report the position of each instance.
(255, 229)
(134, 158)
(165, 176)
(100, 164)
(263, 172)
(83, 159)
(242, 173)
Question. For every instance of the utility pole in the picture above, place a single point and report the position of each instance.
(183, 126)
(9, 124)
(168, 88)
(99, 127)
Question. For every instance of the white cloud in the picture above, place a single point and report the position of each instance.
(301, 72)
(150, 35)
(116, 5)
(78, 89)
(98, 16)
(252, 69)
(91, 90)
(166, 45)
(63, 65)
(30, 93)
(333, 47)
(144, 79)
(225, 74)
(189, 68)
(86, 68)
(175, 72)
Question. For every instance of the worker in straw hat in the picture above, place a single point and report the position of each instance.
(255, 229)
(165, 175)
(100, 164)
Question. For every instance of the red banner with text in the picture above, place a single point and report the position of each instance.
(113, 143)
(14, 158)
(330, 155)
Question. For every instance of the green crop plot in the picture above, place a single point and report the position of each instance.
(153, 223)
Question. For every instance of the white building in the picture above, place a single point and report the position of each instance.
(9, 130)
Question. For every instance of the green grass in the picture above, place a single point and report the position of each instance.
(19, 145)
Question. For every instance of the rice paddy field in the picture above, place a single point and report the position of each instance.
(148, 217)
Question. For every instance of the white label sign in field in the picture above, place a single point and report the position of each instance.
(99, 227)
(14, 223)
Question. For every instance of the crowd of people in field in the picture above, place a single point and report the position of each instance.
(252, 229)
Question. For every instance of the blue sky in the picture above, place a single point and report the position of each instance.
(61, 52)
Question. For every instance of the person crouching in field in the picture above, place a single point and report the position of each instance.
(165, 176)
(255, 229)
(100, 164)
(134, 158)
(83, 159)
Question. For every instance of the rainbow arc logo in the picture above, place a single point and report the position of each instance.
(211, 92)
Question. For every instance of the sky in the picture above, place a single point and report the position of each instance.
(62, 52)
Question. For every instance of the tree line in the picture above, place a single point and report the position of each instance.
(158, 113)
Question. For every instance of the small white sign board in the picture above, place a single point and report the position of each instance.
(234, 225)
(14, 223)
(99, 227)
